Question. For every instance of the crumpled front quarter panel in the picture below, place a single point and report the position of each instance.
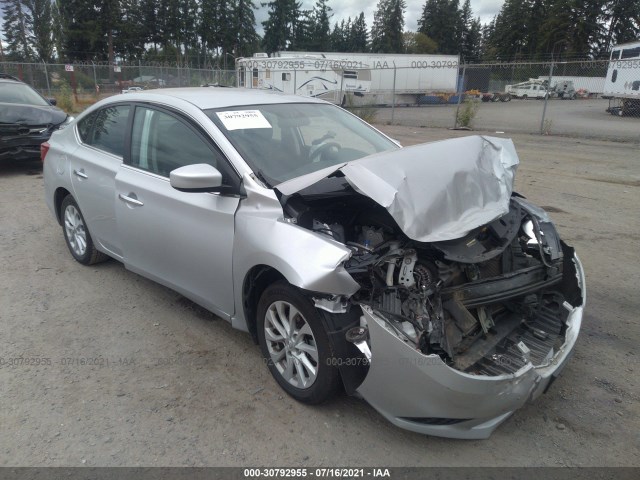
(308, 260)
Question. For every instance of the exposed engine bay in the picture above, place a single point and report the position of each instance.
(486, 303)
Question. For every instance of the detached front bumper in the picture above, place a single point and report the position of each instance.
(421, 393)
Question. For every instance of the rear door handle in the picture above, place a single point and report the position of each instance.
(80, 173)
(132, 201)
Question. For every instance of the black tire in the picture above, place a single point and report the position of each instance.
(327, 379)
(524, 97)
(89, 254)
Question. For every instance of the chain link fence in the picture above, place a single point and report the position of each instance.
(592, 98)
(582, 99)
(89, 81)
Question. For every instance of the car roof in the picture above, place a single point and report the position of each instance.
(217, 97)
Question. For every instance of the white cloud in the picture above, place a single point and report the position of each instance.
(342, 9)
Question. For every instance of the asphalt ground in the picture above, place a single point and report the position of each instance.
(584, 118)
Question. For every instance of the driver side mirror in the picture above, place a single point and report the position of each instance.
(200, 177)
(52, 101)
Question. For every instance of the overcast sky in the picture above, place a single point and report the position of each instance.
(485, 9)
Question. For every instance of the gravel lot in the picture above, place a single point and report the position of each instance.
(172, 385)
(581, 118)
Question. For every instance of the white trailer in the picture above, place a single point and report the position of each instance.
(360, 77)
(622, 84)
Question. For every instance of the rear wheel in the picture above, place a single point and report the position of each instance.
(295, 344)
(77, 235)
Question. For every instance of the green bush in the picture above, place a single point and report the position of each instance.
(64, 98)
(467, 112)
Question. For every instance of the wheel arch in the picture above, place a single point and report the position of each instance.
(256, 281)
(58, 196)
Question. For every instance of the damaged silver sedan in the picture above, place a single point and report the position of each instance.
(413, 277)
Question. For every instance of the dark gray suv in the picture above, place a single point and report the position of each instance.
(27, 119)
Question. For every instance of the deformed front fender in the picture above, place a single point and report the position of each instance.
(308, 260)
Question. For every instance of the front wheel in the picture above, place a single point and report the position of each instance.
(77, 235)
(295, 344)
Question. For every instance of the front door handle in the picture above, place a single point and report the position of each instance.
(80, 173)
(132, 201)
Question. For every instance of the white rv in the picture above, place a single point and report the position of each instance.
(364, 78)
(622, 84)
(308, 75)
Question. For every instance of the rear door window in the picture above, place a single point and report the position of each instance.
(107, 129)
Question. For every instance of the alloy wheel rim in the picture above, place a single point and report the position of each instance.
(291, 344)
(76, 232)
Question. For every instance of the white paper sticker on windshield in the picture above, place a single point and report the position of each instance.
(243, 119)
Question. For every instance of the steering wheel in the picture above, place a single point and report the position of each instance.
(327, 147)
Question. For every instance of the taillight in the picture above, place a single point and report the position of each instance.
(44, 149)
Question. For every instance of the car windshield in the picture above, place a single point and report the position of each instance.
(21, 94)
(284, 141)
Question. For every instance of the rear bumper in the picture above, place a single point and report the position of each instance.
(421, 393)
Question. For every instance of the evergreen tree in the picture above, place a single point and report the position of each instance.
(41, 28)
(280, 27)
(57, 28)
(131, 32)
(359, 35)
(464, 22)
(474, 42)
(110, 16)
(16, 26)
(150, 31)
(189, 12)
(570, 27)
(336, 38)
(511, 34)
(82, 33)
(303, 32)
(441, 21)
(246, 38)
(622, 23)
(388, 26)
(320, 27)
(340, 36)
(488, 33)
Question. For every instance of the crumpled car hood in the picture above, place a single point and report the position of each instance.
(31, 114)
(434, 191)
